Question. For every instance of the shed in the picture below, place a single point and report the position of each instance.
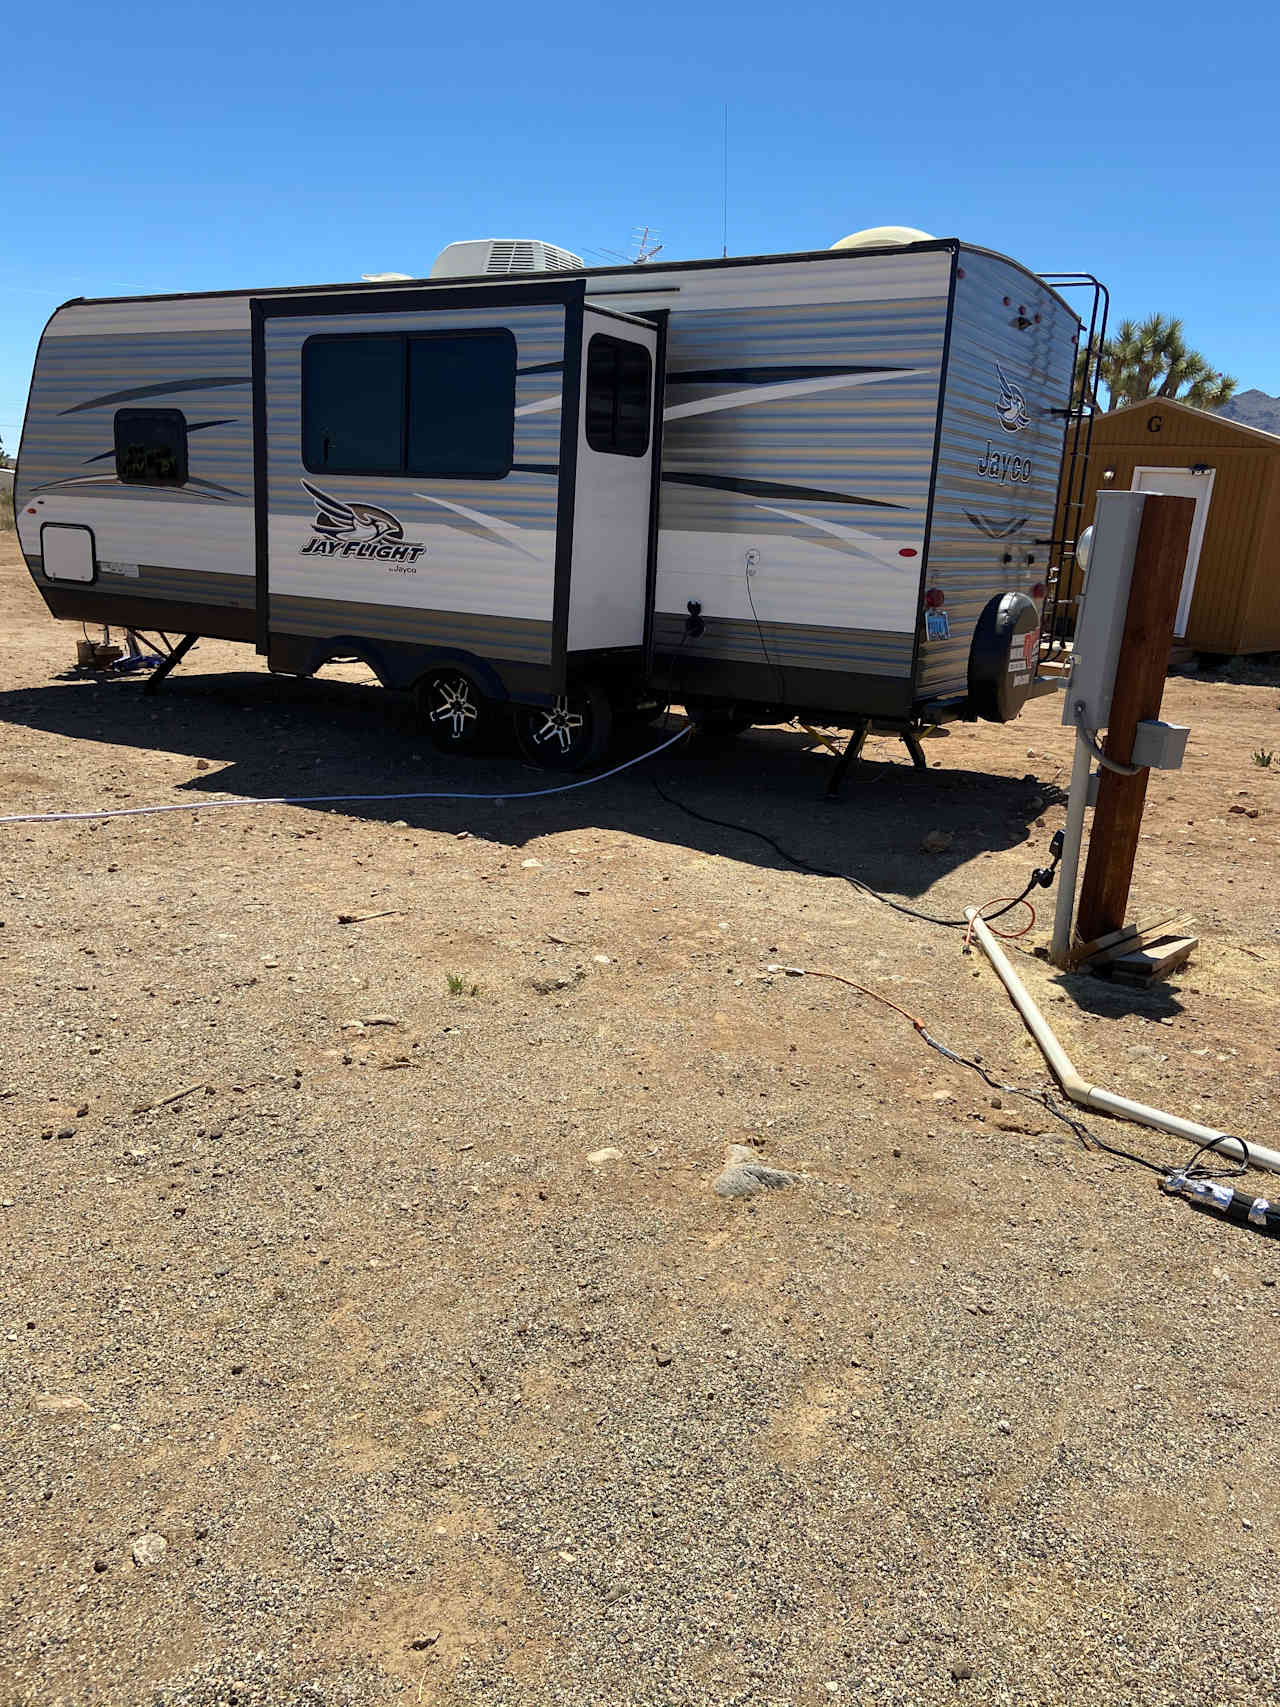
(1231, 590)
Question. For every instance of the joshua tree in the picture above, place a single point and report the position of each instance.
(1152, 359)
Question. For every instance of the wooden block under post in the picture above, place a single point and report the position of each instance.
(1087, 951)
(1157, 961)
(1140, 940)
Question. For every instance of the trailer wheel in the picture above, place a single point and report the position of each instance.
(456, 715)
(570, 733)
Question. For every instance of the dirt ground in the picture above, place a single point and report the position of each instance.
(376, 1268)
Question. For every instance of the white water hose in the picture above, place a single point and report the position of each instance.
(328, 799)
(1092, 1096)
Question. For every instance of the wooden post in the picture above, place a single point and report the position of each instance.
(1158, 567)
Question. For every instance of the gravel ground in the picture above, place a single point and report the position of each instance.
(372, 1331)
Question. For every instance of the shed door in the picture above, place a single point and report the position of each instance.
(1181, 483)
(617, 443)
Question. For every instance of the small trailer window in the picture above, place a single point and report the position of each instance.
(353, 405)
(619, 396)
(435, 405)
(462, 406)
(151, 447)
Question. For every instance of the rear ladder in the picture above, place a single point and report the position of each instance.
(1061, 581)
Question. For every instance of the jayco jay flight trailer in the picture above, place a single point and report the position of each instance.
(819, 483)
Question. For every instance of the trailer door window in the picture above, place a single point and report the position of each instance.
(619, 396)
(353, 405)
(462, 405)
(151, 447)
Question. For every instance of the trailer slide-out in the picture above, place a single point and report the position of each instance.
(820, 483)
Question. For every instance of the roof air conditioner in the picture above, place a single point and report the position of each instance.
(503, 256)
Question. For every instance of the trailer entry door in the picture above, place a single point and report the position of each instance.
(615, 490)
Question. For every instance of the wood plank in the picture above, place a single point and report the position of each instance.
(1139, 687)
(1086, 950)
(1159, 959)
(1139, 941)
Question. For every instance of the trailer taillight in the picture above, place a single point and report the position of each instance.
(935, 598)
(908, 551)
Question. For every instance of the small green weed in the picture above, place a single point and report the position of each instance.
(1262, 756)
(458, 985)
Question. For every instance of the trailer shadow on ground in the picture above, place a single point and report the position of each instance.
(266, 736)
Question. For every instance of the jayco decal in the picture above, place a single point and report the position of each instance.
(1011, 405)
(343, 529)
(1002, 465)
(1011, 409)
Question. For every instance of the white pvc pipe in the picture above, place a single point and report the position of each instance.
(1092, 1096)
(1077, 800)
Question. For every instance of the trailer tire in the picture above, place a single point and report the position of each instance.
(455, 714)
(570, 733)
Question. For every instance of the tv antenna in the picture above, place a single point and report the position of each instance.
(642, 248)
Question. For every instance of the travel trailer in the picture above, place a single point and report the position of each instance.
(818, 483)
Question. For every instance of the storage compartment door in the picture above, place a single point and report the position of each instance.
(67, 550)
(614, 532)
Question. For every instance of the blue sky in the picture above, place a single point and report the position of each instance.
(153, 148)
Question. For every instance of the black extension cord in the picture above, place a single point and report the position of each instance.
(1042, 877)
(1200, 1186)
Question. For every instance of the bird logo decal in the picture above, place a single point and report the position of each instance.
(337, 519)
(1011, 405)
(348, 529)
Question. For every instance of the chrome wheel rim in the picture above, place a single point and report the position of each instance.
(453, 706)
(557, 726)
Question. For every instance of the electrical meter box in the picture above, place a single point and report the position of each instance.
(1103, 606)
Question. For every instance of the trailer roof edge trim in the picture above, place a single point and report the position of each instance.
(850, 256)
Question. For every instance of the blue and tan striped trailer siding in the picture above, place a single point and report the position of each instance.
(997, 483)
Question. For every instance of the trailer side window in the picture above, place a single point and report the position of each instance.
(151, 447)
(619, 396)
(438, 405)
(462, 405)
(353, 404)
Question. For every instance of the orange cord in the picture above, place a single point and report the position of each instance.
(995, 930)
(813, 972)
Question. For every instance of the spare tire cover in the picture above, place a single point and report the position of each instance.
(1002, 657)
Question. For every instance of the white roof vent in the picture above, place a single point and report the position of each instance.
(883, 237)
(503, 257)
